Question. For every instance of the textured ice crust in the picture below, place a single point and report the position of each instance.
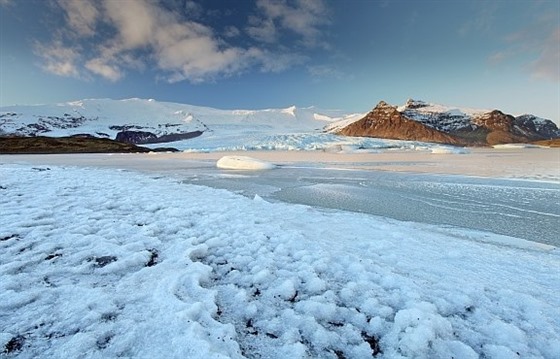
(106, 264)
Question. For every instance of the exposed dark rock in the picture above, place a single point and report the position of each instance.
(179, 136)
(165, 149)
(373, 343)
(104, 341)
(53, 256)
(545, 128)
(145, 137)
(154, 255)
(136, 137)
(15, 344)
(103, 261)
(108, 317)
(11, 236)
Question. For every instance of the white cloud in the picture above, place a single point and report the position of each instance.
(275, 61)
(6, 2)
(135, 21)
(483, 20)
(59, 59)
(301, 17)
(262, 29)
(193, 9)
(144, 33)
(498, 57)
(547, 65)
(325, 72)
(81, 15)
(100, 67)
(231, 31)
(534, 46)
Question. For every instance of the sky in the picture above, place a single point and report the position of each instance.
(252, 54)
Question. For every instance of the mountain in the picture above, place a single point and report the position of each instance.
(141, 121)
(422, 121)
(385, 121)
(194, 128)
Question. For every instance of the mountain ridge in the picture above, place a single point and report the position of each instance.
(146, 121)
(422, 121)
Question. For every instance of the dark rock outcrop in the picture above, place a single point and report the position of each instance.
(144, 137)
(544, 128)
(135, 137)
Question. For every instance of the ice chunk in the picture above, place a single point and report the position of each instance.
(243, 163)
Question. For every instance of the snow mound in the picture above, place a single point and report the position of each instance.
(243, 163)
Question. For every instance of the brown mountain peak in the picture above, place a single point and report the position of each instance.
(385, 121)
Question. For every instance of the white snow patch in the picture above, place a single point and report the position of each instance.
(243, 163)
(339, 123)
(438, 108)
(289, 111)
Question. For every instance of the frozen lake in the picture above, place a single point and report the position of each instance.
(521, 206)
(517, 208)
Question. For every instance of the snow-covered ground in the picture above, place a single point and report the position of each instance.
(104, 263)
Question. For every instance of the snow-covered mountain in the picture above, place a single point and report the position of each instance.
(452, 119)
(149, 121)
(422, 121)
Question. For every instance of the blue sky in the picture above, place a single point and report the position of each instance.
(345, 54)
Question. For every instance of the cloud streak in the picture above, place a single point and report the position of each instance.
(304, 18)
(536, 45)
(59, 59)
(80, 15)
(146, 34)
(547, 65)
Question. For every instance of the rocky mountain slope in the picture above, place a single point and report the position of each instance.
(421, 121)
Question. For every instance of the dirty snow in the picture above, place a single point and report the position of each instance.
(105, 263)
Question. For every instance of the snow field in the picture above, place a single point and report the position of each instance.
(100, 263)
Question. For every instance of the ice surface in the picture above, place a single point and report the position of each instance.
(103, 263)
